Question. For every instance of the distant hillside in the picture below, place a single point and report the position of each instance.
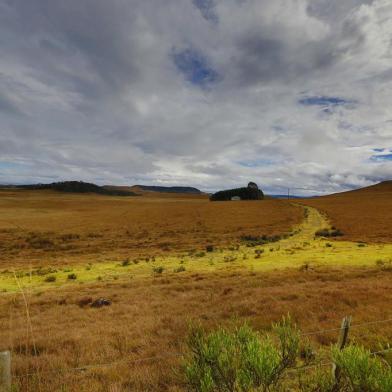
(381, 187)
(169, 189)
(78, 187)
(363, 214)
(282, 196)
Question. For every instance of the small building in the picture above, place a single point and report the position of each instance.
(235, 198)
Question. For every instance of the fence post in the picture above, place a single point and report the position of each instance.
(5, 371)
(344, 329)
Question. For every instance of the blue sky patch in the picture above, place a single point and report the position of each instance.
(381, 157)
(8, 165)
(255, 163)
(323, 101)
(194, 67)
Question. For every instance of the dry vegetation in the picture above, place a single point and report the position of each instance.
(43, 227)
(150, 317)
(134, 344)
(362, 215)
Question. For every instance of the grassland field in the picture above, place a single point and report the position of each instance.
(149, 256)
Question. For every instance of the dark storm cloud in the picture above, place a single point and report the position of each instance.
(202, 92)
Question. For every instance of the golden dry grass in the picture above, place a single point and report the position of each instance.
(45, 227)
(138, 339)
(149, 318)
(362, 215)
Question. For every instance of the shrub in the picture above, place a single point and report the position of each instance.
(71, 276)
(125, 263)
(209, 248)
(181, 268)
(322, 233)
(246, 361)
(69, 237)
(50, 278)
(336, 233)
(158, 270)
(40, 241)
(44, 271)
(241, 360)
(329, 233)
(359, 372)
(252, 240)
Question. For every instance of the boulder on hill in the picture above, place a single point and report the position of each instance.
(251, 192)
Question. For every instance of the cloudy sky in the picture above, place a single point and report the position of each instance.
(208, 93)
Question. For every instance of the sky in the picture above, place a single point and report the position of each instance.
(205, 93)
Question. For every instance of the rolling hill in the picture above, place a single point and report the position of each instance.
(363, 214)
(77, 187)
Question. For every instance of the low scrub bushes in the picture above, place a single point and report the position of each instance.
(158, 270)
(254, 240)
(243, 360)
(329, 233)
(359, 371)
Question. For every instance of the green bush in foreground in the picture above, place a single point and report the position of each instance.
(245, 361)
(241, 360)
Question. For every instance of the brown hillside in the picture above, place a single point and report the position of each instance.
(145, 193)
(363, 214)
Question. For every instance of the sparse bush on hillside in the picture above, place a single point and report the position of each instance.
(125, 263)
(158, 270)
(329, 233)
(254, 240)
(209, 248)
(385, 265)
(38, 240)
(50, 278)
(72, 276)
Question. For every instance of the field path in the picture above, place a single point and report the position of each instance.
(312, 222)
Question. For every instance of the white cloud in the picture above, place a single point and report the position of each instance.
(90, 90)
